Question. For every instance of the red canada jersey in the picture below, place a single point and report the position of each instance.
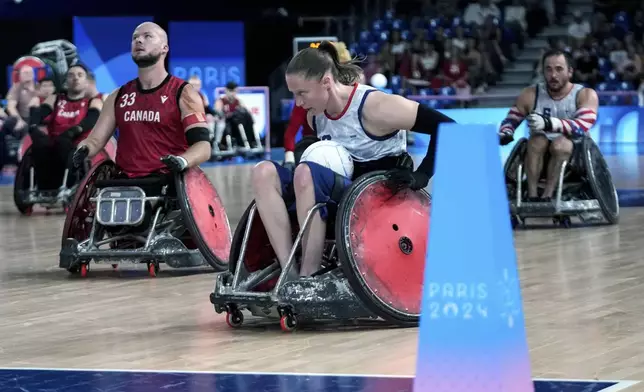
(229, 105)
(149, 123)
(67, 113)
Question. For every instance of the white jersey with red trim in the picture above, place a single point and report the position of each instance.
(563, 109)
(347, 130)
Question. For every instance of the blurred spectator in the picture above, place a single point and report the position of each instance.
(607, 7)
(45, 89)
(477, 12)
(18, 99)
(630, 68)
(460, 40)
(515, 20)
(587, 68)
(425, 64)
(637, 27)
(579, 29)
(491, 37)
(386, 60)
(535, 17)
(455, 73)
(618, 56)
(478, 67)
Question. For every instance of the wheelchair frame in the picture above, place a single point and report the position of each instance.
(25, 198)
(332, 293)
(159, 242)
(597, 205)
(233, 150)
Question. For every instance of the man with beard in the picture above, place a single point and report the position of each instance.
(557, 112)
(69, 117)
(161, 120)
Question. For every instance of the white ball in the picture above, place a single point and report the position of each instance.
(378, 81)
(331, 155)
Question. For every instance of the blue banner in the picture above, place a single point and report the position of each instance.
(213, 51)
(103, 45)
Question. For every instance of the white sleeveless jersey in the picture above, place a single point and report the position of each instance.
(347, 130)
(563, 108)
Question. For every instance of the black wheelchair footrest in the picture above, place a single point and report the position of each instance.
(321, 298)
(549, 209)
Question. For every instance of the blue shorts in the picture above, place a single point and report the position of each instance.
(328, 185)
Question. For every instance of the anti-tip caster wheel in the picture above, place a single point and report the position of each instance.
(84, 270)
(235, 319)
(563, 221)
(153, 269)
(288, 323)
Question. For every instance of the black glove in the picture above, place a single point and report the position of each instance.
(505, 138)
(399, 179)
(175, 163)
(35, 132)
(71, 133)
(79, 156)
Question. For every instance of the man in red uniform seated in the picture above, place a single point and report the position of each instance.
(69, 116)
(161, 120)
(230, 108)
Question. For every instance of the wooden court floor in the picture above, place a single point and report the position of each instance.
(582, 292)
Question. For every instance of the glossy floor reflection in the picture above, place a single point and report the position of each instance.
(582, 290)
(12, 380)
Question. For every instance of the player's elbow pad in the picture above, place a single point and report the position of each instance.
(427, 120)
(197, 134)
(90, 119)
(38, 114)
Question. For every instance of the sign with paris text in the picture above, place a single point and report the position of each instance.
(472, 333)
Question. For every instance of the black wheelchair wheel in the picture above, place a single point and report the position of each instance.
(601, 181)
(22, 182)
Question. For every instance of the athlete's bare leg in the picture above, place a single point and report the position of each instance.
(267, 191)
(313, 239)
(560, 151)
(537, 146)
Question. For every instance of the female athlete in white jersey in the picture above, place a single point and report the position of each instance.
(365, 121)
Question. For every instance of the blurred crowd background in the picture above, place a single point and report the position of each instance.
(444, 53)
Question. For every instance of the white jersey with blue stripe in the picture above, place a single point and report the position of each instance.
(347, 130)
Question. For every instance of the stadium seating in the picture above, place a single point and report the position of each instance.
(371, 40)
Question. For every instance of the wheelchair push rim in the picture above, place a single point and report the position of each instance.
(510, 167)
(382, 242)
(205, 217)
(601, 181)
(80, 216)
(21, 183)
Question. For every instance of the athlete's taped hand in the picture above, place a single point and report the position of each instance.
(79, 156)
(175, 163)
(536, 122)
(399, 179)
(289, 160)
